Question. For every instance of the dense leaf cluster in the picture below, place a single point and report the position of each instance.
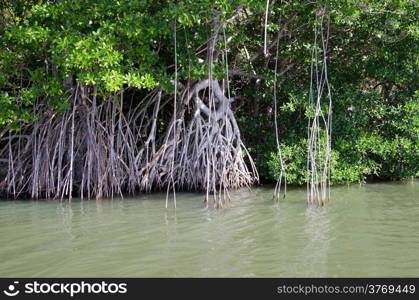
(128, 45)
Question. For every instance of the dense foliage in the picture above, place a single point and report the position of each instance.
(373, 67)
(129, 48)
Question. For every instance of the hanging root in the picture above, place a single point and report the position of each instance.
(282, 179)
(319, 127)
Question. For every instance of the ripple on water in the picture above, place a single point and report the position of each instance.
(368, 230)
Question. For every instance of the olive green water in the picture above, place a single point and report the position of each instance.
(369, 230)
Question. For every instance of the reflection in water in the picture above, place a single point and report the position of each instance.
(368, 230)
(312, 262)
(64, 208)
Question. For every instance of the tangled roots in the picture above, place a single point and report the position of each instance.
(93, 149)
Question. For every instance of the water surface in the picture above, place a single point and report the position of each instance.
(366, 230)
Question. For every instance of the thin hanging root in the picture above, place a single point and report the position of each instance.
(319, 133)
(282, 176)
(265, 52)
(172, 165)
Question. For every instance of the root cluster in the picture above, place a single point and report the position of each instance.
(99, 148)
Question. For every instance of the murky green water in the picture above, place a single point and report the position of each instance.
(369, 230)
